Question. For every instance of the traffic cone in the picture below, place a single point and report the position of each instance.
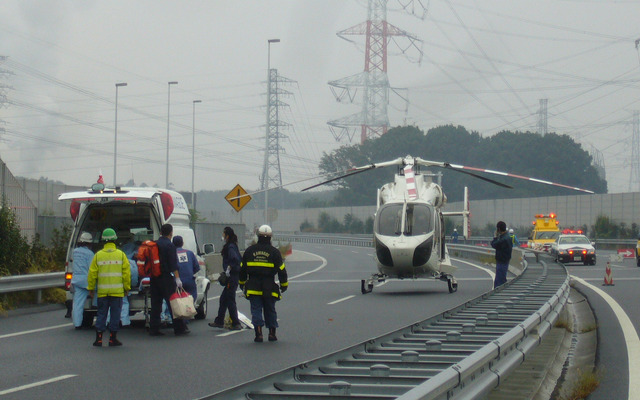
(608, 278)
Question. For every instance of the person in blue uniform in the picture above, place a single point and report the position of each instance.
(231, 261)
(82, 257)
(503, 245)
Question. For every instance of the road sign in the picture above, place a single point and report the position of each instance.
(627, 253)
(238, 198)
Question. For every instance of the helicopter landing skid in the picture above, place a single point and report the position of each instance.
(451, 282)
(366, 285)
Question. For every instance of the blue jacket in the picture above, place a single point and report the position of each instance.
(231, 257)
(503, 246)
(82, 257)
(188, 266)
(168, 256)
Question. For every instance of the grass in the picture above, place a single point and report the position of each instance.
(587, 383)
(11, 301)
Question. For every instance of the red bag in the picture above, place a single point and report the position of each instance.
(148, 260)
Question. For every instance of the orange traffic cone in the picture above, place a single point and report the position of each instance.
(608, 278)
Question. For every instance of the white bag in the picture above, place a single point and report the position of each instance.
(182, 306)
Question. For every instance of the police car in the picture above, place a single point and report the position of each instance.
(573, 248)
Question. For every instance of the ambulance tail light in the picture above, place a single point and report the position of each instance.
(167, 204)
(74, 209)
(67, 279)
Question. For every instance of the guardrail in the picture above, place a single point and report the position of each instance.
(19, 283)
(462, 353)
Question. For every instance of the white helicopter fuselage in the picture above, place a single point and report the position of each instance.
(409, 228)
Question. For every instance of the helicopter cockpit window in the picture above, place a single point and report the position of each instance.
(418, 220)
(390, 220)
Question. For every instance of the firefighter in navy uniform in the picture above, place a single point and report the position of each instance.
(260, 264)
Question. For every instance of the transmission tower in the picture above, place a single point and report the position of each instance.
(634, 174)
(271, 174)
(542, 117)
(372, 120)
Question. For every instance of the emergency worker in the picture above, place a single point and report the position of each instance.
(163, 286)
(82, 257)
(188, 266)
(514, 239)
(110, 273)
(231, 260)
(260, 264)
(454, 236)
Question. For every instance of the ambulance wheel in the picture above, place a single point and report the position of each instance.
(453, 286)
(201, 311)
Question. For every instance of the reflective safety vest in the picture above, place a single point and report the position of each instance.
(260, 265)
(110, 272)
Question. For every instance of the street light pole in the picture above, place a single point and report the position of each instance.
(266, 148)
(193, 153)
(168, 113)
(115, 138)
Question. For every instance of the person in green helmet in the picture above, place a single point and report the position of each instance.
(110, 277)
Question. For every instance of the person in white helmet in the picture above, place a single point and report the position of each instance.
(514, 239)
(260, 264)
(454, 236)
(82, 256)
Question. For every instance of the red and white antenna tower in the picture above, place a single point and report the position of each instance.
(372, 120)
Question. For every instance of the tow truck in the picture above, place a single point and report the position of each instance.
(545, 231)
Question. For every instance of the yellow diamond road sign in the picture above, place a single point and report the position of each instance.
(238, 198)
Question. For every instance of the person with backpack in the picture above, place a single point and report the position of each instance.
(231, 261)
(163, 286)
(110, 276)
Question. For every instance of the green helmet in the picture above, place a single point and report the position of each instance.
(109, 234)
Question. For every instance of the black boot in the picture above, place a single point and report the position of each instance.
(113, 340)
(272, 335)
(98, 342)
(258, 337)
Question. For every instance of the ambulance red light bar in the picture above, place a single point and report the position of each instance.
(167, 204)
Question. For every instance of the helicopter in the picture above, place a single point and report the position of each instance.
(408, 227)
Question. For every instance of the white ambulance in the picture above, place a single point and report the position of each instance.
(136, 214)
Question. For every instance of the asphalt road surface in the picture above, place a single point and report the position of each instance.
(615, 348)
(42, 356)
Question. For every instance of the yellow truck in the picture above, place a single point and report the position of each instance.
(545, 231)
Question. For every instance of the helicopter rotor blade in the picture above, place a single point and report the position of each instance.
(349, 173)
(461, 168)
(484, 178)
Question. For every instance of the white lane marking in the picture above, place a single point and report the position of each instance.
(614, 279)
(342, 299)
(487, 270)
(34, 331)
(324, 264)
(232, 332)
(355, 252)
(630, 337)
(45, 382)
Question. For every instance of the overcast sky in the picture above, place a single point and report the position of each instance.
(485, 65)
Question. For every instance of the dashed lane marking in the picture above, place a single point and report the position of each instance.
(34, 331)
(630, 337)
(35, 384)
(341, 300)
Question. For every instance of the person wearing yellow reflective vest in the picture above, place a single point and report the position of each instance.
(110, 277)
(261, 262)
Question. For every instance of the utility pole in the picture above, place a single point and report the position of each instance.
(373, 119)
(634, 174)
(542, 117)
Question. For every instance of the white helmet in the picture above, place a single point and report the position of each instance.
(510, 230)
(265, 230)
(455, 230)
(85, 238)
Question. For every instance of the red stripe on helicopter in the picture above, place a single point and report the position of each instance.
(490, 171)
(411, 182)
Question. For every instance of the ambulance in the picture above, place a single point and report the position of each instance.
(545, 231)
(136, 214)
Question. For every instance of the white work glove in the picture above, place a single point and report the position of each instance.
(228, 271)
(178, 283)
